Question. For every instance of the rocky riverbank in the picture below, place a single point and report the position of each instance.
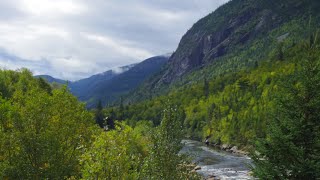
(213, 163)
(226, 147)
(230, 148)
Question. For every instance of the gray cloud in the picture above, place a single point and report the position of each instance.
(72, 39)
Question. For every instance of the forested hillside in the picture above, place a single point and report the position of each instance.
(229, 97)
(233, 108)
(233, 38)
(270, 108)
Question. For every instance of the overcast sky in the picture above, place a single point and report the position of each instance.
(73, 39)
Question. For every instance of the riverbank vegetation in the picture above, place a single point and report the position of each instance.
(46, 133)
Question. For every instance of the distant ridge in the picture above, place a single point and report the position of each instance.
(51, 79)
(110, 85)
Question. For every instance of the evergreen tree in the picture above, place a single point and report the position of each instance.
(99, 114)
(292, 148)
(110, 120)
(280, 55)
(206, 87)
(121, 109)
(256, 64)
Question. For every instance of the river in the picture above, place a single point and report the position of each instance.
(213, 162)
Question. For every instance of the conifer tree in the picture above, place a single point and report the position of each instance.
(110, 120)
(206, 88)
(99, 114)
(292, 147)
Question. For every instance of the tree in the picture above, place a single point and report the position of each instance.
(280, 55)
(206, 87)
(292, 147)
(121, 109)
(109, 121)
(115, 154)
(99, 114)
(44, 85)
(42, 132)
(164, 162)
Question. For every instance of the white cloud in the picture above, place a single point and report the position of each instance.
(72, 39)
(33, 42)
(51, 7)
(72, 65)
(121, 47)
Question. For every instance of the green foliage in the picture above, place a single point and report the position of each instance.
(46, 133)
(164, 162)
(247, 31)
(99, 114)
(140, 153)
(116, 154)
(233, 108)
(292, 147)
(42, 131)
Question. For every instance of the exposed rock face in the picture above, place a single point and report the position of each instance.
(238, 34)
(229, 27)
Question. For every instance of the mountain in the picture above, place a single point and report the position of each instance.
(110, 90)
(83, 87)
(230, 71)
(51, 79)
(113, 84)
(230, 28)
(237, 35)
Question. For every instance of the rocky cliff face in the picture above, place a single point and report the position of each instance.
(229, 27)
(232, 38)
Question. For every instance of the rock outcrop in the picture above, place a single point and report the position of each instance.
(230, 27)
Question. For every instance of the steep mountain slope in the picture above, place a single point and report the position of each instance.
(231, 70)
(109, 91)
(235, 36)
(83, 88)
(229, 28)
(235, 108)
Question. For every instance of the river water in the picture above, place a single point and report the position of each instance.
(213, 162)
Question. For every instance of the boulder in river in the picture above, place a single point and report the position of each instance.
(211, 177)
(225, 146)
(197, 168)
(242, 152)
(234, 149)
